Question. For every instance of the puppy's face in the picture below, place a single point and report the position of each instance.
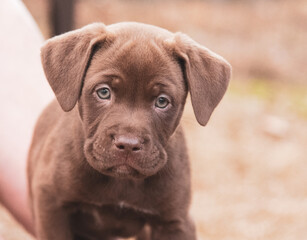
(131, 81)
(130, 106)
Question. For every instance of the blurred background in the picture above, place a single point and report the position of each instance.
(250, 163)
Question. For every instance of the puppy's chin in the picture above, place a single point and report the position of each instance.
(123, 171)
(130, 167)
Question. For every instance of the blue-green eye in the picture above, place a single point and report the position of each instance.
(161, 102)
(104, 93)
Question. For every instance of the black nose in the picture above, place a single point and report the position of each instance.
(128, 143)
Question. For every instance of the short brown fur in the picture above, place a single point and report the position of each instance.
(118, 167)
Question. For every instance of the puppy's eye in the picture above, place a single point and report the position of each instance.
(104, 93)
(161, 102)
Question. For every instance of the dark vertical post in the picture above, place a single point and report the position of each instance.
(61, 16)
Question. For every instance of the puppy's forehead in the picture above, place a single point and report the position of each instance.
(143, 58)
(138, 52)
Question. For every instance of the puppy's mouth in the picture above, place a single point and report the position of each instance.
(125, 165)
(120, 170)
(123, 171)
(124, 168)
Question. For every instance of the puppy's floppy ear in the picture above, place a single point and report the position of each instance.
(65, 60)
(206, 73)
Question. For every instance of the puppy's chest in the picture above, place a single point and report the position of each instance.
(121, 218)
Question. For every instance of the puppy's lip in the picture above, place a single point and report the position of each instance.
(122, 169)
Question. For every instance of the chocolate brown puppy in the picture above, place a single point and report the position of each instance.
(108, 158)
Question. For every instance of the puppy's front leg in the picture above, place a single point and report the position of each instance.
(175, 230)
(51, 221)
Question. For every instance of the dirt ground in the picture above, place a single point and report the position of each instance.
(250, 163)
(249, 168)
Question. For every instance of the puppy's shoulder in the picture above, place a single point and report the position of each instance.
(49, 118)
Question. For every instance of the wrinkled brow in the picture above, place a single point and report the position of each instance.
(111, 77)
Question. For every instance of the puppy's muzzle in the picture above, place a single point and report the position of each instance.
(125, 152)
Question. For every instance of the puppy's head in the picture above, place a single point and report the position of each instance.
(130, 81)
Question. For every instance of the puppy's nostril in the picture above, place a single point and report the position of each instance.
(120, 146)
(136, 149)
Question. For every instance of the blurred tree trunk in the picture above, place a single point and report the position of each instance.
(61, 16)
